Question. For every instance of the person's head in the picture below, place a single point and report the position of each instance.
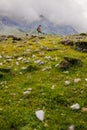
(39, 25)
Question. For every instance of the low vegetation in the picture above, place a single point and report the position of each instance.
(31, 79)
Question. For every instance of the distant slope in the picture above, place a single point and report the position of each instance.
(7, 30)
(50, 28)
(10, 25)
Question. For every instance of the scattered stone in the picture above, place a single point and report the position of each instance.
(27, 61)
(8, 57)
(26, 92)
(14, 38)
(9, 60)
(15, 69)
(40, 115)
(56, 65)
(23, 68)
(77, 80)
(29, 89)
(86, 79)
(75, 106)
(48, 57)
(20, 58)
(33, 56)
(47, 68)
(53, 87)
(33, 37)
(0, 57)
(67, 42)
(52, 49)
(41, 37)
(28, 50)
(1, 64)
(13, 94)
(6, 87)
(20, 73)
(84, 109)
(66, 72)
(72, 127)
(39, 62)
(67, 82)
(21, 99)
(17, 63)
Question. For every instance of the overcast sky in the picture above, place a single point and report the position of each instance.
(69, 12)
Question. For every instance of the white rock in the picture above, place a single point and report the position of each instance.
(33, 56)
(21, 99)
(26, 92)
(15, 69)
(77, 80)
(0, 57)
(66, 72)
(39, 62)
(20, 58)
(27, 61)
(29, 89)
(40, 115)
(86, 79)
(75, 106)
(8, 57)
(47, 68)
(27, 50)
(67, 82)
(72, 127)
(6, 86)
(9, 60)
(53, 87)
(17, 63)
(20, 73)
(48, 57)
(1, 64)
(56, 65)
(23, 68)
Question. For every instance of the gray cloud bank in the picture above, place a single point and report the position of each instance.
(68, 12)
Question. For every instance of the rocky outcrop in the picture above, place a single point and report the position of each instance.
(69, 62)
(81, 46)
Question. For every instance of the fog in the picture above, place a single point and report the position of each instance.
(67, 12)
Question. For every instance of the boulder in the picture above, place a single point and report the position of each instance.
(69, 62)
(14, 38)
(81, 46)
(73, 61)
(67, 42)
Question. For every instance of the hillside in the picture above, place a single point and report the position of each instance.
(48, 27)
(45, 72)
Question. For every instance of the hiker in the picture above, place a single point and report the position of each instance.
(39, 29)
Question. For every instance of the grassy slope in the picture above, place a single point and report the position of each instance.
(17, 111)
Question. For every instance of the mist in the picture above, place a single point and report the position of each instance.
(66, 12)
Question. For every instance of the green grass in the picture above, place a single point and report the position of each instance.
(17, 111)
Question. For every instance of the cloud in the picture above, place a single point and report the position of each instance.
(69, 12)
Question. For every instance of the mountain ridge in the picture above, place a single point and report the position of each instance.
(47, 26)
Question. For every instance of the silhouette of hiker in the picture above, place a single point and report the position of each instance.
(39, 29)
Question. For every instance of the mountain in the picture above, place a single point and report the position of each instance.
(47, 26)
